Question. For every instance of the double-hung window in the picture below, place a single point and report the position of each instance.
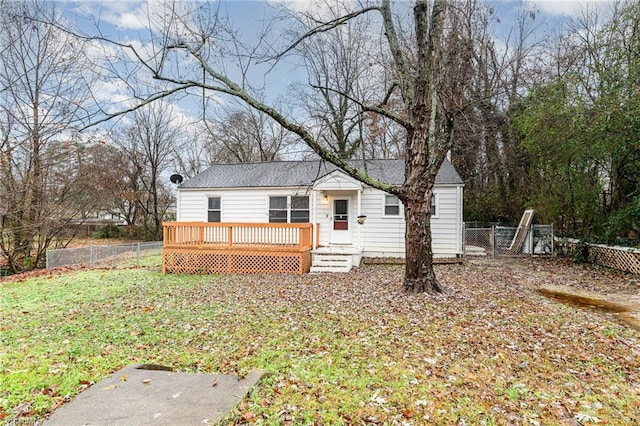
(391, 206)
(277, 209)
(288, 209)
(299, 209)
(214, 209)
(434, 205)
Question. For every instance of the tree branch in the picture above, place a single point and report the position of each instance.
(148, 100)
(378, 110)
(233, 89)
(324, 27)
(402, 70)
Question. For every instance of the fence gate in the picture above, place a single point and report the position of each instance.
(508, 241)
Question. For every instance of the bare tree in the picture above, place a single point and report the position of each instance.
(242, 134)
(486, 152)
(343, 71)
(41, 98)
(110, 182)
(426, 79)
(194, 156)
(149, 145)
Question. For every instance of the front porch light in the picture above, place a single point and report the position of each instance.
(361, 219)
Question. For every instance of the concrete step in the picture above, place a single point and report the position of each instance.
(331, 263)
(334, 269)
(474, 251)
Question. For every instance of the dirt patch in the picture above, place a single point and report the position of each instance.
(584, 285)
(560, 271)
(627, 307)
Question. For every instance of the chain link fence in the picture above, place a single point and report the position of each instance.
(508, 240)
(115, 255)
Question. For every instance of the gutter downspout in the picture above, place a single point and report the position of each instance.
(359, 244)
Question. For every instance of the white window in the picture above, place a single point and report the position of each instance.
(434, 205)
(299, 209)
(391, 206)
(277, 209)
(289, 209)
(214, 209)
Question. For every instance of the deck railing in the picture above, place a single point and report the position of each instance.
(269, 236)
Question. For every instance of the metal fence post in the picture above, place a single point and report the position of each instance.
(493, 241)
(464, 239)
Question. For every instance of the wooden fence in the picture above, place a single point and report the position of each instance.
(201, 247)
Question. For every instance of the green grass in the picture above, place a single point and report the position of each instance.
(340, 349)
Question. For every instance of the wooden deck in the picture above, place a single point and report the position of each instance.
(237, 248)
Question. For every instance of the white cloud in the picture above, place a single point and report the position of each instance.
(129, 15)
(565, 7)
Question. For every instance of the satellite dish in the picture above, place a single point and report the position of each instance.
(177, 179)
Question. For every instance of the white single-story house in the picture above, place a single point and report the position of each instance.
(347, 216)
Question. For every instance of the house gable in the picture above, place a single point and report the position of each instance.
(337, 180)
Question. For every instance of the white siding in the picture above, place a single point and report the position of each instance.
(238, 205)
(384, 236)
(192, 206)
(380, 235)
(445, 227)
(323, 211)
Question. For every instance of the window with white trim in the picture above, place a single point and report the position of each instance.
(434, 205)
(299, 209)
(391, 206)
(289, 209)
(277, 209)
(214, 209)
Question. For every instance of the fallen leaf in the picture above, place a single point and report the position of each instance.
(248, 417)
(106, 350)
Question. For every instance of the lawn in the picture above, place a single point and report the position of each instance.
(340, 348)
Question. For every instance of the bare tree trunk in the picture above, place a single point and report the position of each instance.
(425, 154)
(419, 274)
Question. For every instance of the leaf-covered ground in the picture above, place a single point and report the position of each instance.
(340, 348)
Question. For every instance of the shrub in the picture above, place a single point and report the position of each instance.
(581, 252)
(110, 230)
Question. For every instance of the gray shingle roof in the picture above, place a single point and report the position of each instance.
(301, 173)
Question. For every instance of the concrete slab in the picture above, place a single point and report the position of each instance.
(137, 396)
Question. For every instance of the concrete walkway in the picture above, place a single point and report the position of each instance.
(138, 396)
